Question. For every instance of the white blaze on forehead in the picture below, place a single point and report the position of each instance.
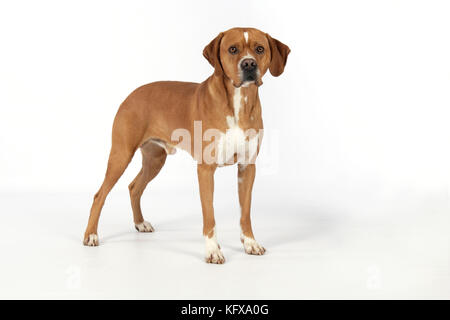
(246, 36)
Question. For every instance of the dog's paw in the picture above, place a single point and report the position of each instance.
(213, 253)
(252, 247)
(214, 256)
(144, 227)
(91, 240)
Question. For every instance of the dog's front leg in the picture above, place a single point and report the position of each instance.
(246, 176)
(206, 183)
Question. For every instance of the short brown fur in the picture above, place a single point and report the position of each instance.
(152, 112)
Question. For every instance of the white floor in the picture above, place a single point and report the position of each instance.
(311, 252)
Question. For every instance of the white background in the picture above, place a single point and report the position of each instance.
(352, 193)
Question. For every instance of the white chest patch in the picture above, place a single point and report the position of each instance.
(235, 140)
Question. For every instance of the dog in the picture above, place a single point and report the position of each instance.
(160, 117)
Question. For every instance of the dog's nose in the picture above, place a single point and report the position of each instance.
(248, 64)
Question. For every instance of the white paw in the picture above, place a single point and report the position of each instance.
(213, 253)
(252, 247)
(214, 256)
(91, 240)
(144, 227)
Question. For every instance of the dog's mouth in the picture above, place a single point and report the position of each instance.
(249, 76)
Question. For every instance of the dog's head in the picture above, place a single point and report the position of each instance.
(244, 55)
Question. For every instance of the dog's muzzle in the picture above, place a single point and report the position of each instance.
(249, 69)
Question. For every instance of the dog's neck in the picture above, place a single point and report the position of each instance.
(221, 89)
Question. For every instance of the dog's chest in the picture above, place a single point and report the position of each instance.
(236, 144)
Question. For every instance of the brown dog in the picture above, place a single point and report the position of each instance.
(161, 116)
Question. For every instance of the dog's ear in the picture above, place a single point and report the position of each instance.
(279, 52)
(212, 54)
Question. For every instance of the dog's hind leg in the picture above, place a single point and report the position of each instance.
(153, 159)
(122, 151)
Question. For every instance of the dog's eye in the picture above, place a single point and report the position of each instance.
(259, 49)
(233, 50)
